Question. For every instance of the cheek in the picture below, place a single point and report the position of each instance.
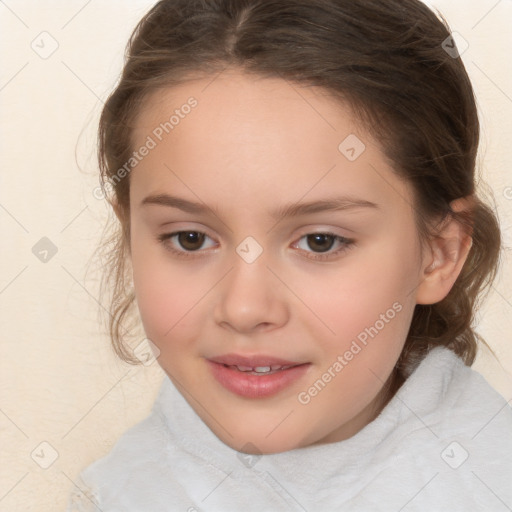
(158, 307)
(166, 297)
(370, 291)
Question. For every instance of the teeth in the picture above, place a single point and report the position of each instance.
(244, 368)
(262, 369)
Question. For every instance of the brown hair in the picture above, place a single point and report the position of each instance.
(386, 58)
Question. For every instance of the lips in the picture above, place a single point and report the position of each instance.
(256, 376)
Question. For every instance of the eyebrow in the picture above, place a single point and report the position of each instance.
(291, 210)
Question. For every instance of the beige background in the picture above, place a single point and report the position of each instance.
(60, 383)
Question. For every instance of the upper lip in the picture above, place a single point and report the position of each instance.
(252, 361)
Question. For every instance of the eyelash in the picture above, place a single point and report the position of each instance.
(347, 244)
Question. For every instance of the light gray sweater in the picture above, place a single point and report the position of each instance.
(442, 443)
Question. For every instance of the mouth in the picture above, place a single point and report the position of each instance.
(255, 376)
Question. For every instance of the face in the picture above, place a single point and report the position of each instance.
(275, 258)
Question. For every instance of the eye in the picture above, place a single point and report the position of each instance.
(183, 242)
(319, 246)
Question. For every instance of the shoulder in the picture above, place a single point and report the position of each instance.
(139, 451)
(143, 462)
(455, 434)
(454, 398)
(146, 469)
(468, 400)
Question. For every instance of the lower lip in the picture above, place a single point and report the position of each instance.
(254, 386)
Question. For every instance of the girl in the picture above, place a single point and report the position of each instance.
(295, 187)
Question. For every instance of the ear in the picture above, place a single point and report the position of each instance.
(444, 257)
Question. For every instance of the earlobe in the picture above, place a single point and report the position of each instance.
(444, 262)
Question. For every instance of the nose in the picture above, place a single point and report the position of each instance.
(251, 299)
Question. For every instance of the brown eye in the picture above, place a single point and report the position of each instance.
(320, 242)
(191, 240)
(186, 243)
(323, 246)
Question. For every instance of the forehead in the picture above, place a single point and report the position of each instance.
(236, 100)
(263, 136)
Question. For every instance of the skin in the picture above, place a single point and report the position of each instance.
(250, 147)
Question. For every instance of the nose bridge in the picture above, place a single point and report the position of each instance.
(250, 296)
